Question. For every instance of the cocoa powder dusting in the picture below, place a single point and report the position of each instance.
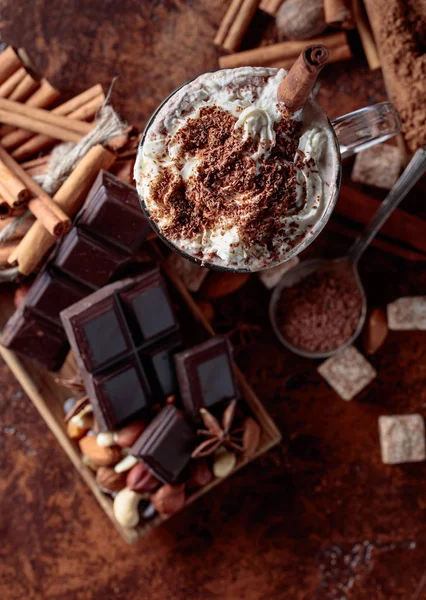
(226, 185)
(399, 27)
(320, 312)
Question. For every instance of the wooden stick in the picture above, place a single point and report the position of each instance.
(286, 52)
(297, 86)
(42, 206)
(338, 13)
(240, 24)
(228, 19)
(24, 89)
(31, 144)
(9, 63)
(11, 82)
(366, 35)
(11, 188)
(270, 6)
(70, 196)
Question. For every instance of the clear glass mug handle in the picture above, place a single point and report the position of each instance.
(366, 127)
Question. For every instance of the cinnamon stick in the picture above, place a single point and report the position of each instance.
(366, 35)
(228, 19)
(9, 63)
(284, 54)
(5, 209)
(338, 13)
(297, 86)
(24, 89)
(11, 188)
(42, 206)
(401, 226)
(26, 145)
(238, 21)
(44, 96)
(11, 82)
(6, 249)
(70, 196)
(270, 6)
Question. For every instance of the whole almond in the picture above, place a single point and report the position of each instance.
(100, 455)
(251, 437)
(200, 473)
(375, 331)
(218, 284)
(169, 499)
(74, 431)
(108, 479)
(139, 479)
(127, 436)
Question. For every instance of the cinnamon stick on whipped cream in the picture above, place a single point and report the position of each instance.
(230, 177)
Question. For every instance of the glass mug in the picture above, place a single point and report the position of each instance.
(353, 132)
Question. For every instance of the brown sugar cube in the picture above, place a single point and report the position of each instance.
(379, 166)
(191, 274)
(348, 372)
(402, 438)
(407, 313)
(270, 277)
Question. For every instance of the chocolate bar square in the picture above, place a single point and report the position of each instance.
(159, 365)
(205, 374)
(29, 334)
(148, 308)
(122, 394)
(166, 444)
(51, 293)
(101, 333)
(110, 202)
(88, 260)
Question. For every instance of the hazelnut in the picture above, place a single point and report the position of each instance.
(169, 499)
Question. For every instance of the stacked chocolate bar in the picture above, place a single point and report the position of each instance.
(108, 231)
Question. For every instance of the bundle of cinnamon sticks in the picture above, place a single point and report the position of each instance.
(28, 128)
(340, 14)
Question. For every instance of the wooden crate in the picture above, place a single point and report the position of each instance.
(48, 397)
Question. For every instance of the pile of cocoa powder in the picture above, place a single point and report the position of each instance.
(320, 312)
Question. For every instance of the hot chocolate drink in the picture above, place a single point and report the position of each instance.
(232, 178)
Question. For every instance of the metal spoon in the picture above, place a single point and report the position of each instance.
(349, 263)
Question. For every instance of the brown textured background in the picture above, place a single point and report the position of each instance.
(318, 518)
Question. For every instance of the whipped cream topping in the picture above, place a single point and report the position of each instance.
(248, 95)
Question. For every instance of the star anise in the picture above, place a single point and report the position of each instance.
(219, 434)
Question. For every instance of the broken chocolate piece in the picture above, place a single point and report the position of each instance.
(166, 444)
(347, 372)
(402, 438)
(205, 375)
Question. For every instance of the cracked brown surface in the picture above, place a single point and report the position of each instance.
(319, 517)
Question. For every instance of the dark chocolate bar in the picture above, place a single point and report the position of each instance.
(111, 202)
(108, 230)
(88, 260)
(205, 374)
(125, 360)
(166, 444)
(31, 335)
